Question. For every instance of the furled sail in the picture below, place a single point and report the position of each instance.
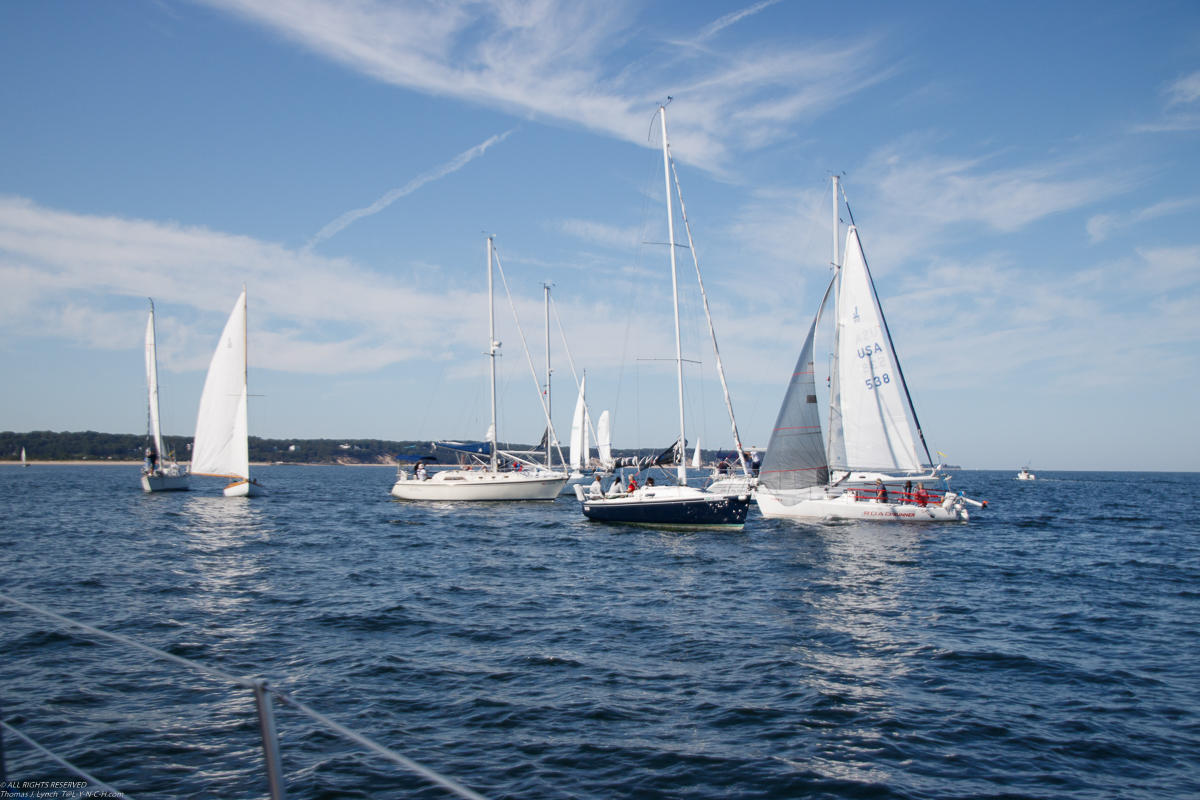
(796, 455)
(871, 424)
(152, 385)
(220, 446)
(604, 440)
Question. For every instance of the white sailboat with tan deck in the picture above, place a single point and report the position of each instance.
(161, 473)
(221, 448)
(869, 467)
(522, 479)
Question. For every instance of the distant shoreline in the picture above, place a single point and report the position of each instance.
(107, 463)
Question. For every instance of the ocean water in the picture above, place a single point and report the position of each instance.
(1048, 649)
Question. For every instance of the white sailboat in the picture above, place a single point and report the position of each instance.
(160, 473)
(604, 441)
(862, 470)
(24, 463)
(678, 505)
(528, 481)
(580, 449)
(221, 448)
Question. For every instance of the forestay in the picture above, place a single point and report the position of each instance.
(870, 419)
(796, 454)
(220, 446)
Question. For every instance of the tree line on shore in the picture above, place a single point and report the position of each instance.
(93, 446)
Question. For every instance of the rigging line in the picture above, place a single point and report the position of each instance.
(651, 157)
(63, 763)
(716, 351)
(783, 318)
(532, 371)
(891, 342)
(432, 395)
(587, 414)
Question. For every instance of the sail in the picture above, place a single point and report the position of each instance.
(869, 404)
(696, 456)
(578, 431)
(795, 455)
(152, 384)
(604, 439)
(220, 446)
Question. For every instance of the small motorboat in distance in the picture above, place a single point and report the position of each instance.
(1026, 475)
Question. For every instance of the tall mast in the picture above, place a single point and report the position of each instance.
(682, 468)
(492, 345)
(546, 291)
(153, 414)
(836, 286)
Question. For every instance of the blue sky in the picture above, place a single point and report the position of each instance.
(1025, 178)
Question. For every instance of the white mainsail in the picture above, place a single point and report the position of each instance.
(604, 440)
(870, 424)
(152, 385)
(580, 423)
(221, 447)
(696, 456)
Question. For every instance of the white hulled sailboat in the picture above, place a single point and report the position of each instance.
(530, 482)
(678, 505)
(871, 449)
(221, 448)
(161, 473)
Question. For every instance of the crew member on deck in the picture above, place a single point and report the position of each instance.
(922, 495)
(881, 492)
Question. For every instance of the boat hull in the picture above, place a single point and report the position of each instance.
(576, 479)
(670, 507)
(244, 489)
(845, 507)
(164, 483)
(481, 486)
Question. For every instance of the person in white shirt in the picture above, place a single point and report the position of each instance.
(596, 490)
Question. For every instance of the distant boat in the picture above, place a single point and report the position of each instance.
(221, 448)
(678, 505)
(530, 481)
(580, 450)
(1026, 475)
(161, 473)
(852, 475)
(24, 463)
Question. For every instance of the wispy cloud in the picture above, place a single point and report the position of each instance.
(1101, 226)
(1179, 112)
(453, 165)
(1185, 90)
(554, 60)
(733, 17)
(612, 236)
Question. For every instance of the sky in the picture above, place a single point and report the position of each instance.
(1025, 178)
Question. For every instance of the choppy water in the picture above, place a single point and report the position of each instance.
(1048, 649)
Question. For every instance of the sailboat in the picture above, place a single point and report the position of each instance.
(221, 448)
(24, 463)
(604, 441)
(862, 469)
(680, 505)
(580, 449)
(530, 481)
(161, 473)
